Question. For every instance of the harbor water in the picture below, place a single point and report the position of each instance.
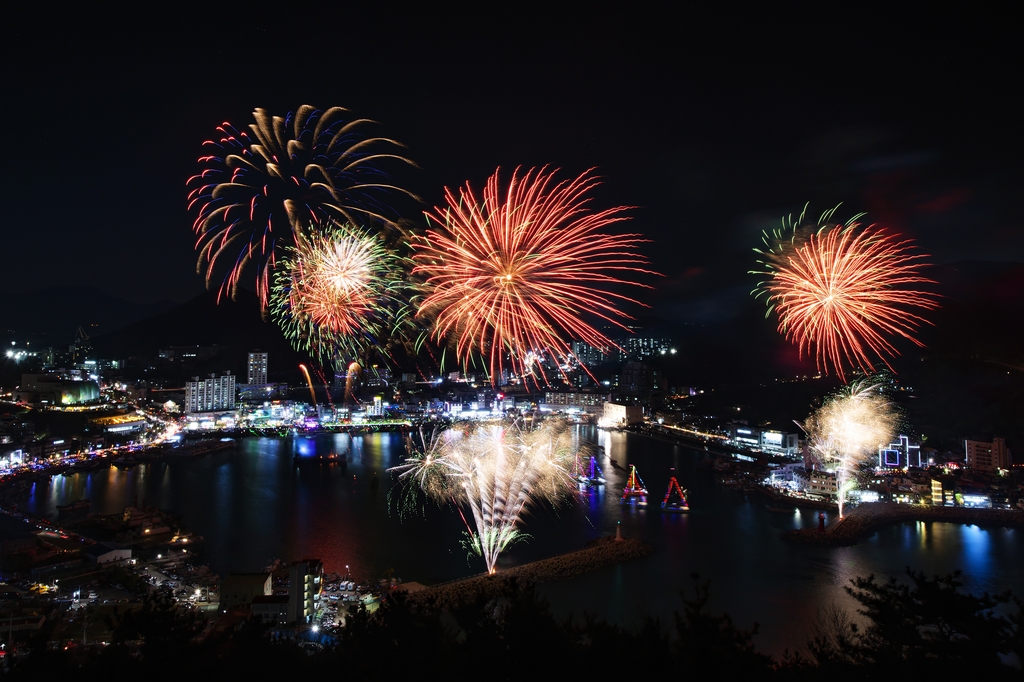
(277, 498)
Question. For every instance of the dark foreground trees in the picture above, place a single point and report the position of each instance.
(922, 627)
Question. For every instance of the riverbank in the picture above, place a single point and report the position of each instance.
(600, 553)
(865, 519)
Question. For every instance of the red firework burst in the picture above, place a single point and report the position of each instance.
(843, 292)
(518, 270)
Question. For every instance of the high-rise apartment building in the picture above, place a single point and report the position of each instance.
(988, 456)
(213, 393)
(257, 368)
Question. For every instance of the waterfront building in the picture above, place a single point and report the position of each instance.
(988, 456)
(622, 415)
(256, 368)
(767, 440)
(239, 589)
(591, 403)
(899, 455)
(816, 482)
(213, 393)
(306, 582)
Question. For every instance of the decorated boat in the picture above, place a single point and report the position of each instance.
(635, 492)
(675, 498)
(588, 474)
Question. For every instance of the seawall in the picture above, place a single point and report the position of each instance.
(865, 519)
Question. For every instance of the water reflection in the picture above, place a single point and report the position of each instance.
(261, 502)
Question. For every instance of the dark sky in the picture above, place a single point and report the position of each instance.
(713, 126)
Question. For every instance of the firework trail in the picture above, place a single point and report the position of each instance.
(842, 291)
(309, 382)
(496, 472)
(517, 270)
(258, 189)
(848, 428)
(340, 292)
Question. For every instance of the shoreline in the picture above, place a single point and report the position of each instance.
(605, 551)
(862, 521)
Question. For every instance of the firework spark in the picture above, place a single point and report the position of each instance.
(339, 292)
(518, 270)
(848, 428)
(495, 471)
(258, 189)
(842, 291)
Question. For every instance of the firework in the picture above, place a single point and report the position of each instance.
(496, 472)
(517, 270)
(843, 291)
(848, 428)
(339, 292)
(258, 189)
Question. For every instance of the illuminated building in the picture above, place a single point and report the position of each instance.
(622, 415)
(768, 440)
(899, 455)
(50, 389)
(213, 393)
(257, 368)
(816, 482)
(306, 582)
(988, 456)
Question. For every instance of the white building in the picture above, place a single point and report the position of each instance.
(213, 393)
(622, 415)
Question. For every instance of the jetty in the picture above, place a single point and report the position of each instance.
(598, 554)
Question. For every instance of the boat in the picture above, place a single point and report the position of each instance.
(588, 475)
(635, 492)
(677, 502)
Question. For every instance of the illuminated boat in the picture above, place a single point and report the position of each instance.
(635, 492)
(588, 475)
(675, 502)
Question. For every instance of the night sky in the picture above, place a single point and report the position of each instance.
(713, 126)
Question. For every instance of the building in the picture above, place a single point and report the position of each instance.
(767, 440)
(591, 403)
(988, 456)
(51, 389)
(256, 369)
(816, 482)
(636, 382)
(240, 589)
(899, 455)
(270, 608)
(207, 395)
(622, 415)
(306, 582)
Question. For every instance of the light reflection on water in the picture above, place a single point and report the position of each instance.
(259, 503)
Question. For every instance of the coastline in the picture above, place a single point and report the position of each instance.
(866, 518)
(598, 554)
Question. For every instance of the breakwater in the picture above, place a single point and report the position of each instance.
(598, 554)
(865, 519)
